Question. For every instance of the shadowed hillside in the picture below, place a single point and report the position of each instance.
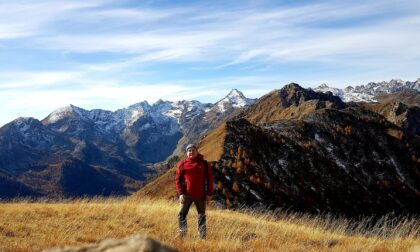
(311, 152)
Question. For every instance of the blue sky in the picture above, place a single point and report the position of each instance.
(111, 54)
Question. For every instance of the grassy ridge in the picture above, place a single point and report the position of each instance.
(26, 226)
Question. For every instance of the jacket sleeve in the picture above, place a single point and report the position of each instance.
(179, 180)
(209, 180)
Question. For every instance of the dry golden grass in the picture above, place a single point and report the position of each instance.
(162, 187)
(26, 226)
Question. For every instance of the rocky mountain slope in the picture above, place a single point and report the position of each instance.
(402, 109)
(107, 150)
(216, 114)
(311, 152)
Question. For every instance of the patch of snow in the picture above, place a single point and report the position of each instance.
(24, 126)
(335, 91)
(339, 163)
(282, 162)
(255, 194)
(145, 126)
(221, 106)
(329, 148)
(60, 114)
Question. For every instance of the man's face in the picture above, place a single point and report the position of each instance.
(191, 152)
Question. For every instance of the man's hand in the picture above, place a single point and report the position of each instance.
(209, 201)
(181, 198)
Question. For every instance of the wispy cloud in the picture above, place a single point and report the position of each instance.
(27, 18)
(35, 80)
(303, 33)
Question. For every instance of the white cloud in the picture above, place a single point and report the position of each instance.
(126, 16)
(35, 80)
(27, 18)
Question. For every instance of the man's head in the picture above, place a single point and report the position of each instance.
(191, 151)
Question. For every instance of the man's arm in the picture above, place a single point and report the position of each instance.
(209, 180)
(179, 179)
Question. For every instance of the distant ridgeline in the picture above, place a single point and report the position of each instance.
(75, 152)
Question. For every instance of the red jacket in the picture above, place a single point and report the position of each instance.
(191, 178)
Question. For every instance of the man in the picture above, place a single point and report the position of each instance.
(194, 183)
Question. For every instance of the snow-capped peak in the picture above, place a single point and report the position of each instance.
(235, 98)
(127, 116)
(22, 122)
(63, 112)
(235, 93)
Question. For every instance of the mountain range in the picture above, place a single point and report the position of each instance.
(106, 151)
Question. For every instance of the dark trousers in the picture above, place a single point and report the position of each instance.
(182, 216)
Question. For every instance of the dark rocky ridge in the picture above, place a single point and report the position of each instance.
(290, 102)
(326, 157)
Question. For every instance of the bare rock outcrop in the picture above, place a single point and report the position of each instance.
(136, 243)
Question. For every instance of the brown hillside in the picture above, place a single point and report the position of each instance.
(162, 187)
(211, 147)
(290, 102)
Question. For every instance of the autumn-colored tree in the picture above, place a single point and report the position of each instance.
(347, 130)
(268, 185)
(235, 187)
(239, 167)
(219, 185)
(239, 154)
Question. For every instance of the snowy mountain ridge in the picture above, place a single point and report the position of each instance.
(368, 92)
(160, 112)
